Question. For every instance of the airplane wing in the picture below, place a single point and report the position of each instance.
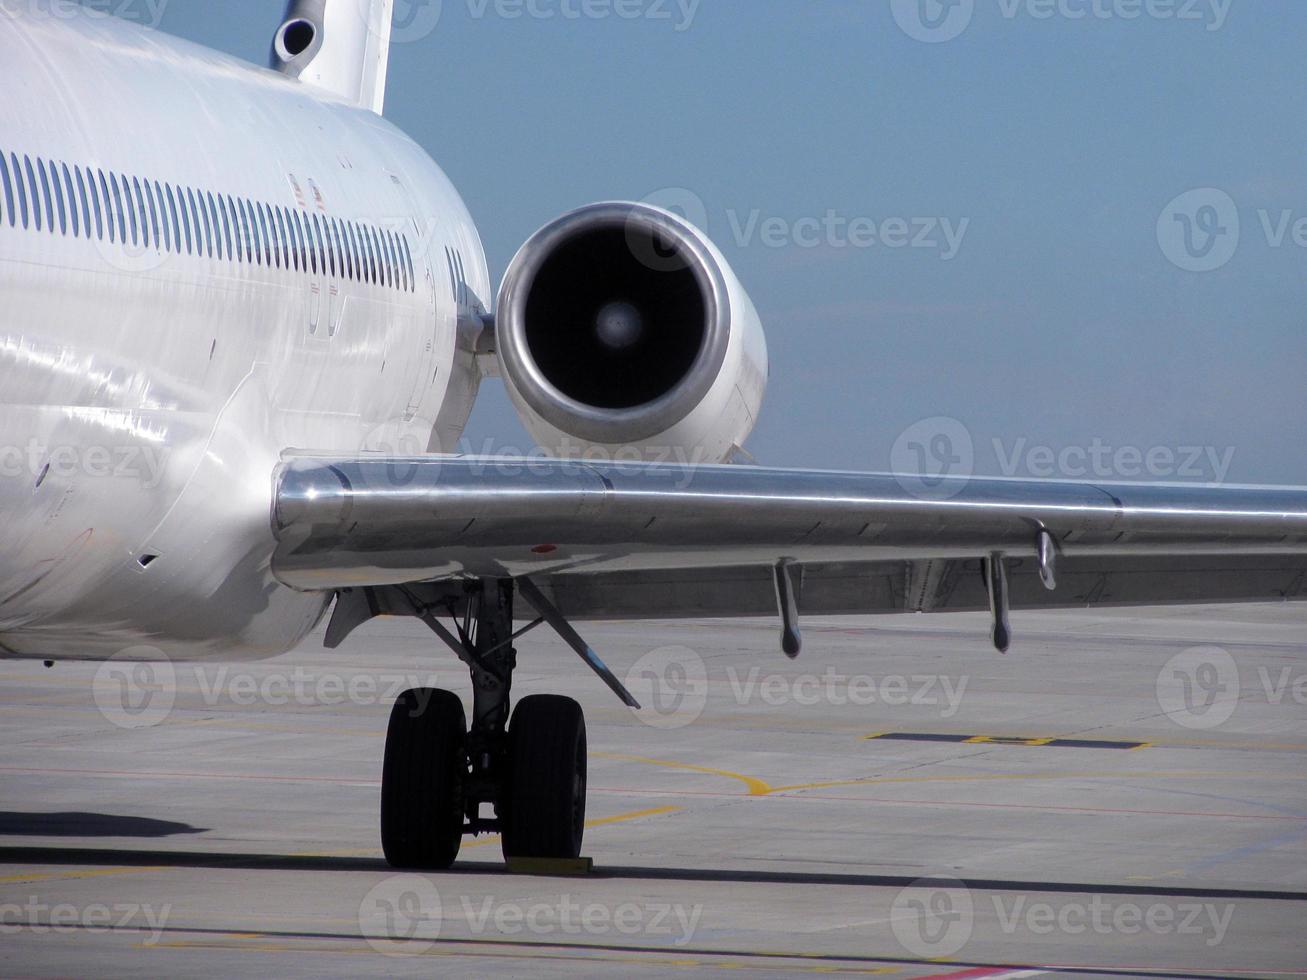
(607, 540)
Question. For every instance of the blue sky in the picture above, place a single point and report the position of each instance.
(1060, 294)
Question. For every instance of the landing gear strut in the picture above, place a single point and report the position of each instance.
(529, 770)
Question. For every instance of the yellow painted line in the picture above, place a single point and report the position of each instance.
(756, 786)
(71, 875)
(597, 822)
(634, 815)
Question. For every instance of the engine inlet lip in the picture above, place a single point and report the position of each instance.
(611, 426)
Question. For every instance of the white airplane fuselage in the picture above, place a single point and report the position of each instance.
(202, 263)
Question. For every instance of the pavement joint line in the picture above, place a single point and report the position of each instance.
(73, 875)
(667, 959)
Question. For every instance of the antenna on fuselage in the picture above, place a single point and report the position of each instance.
(342, 46)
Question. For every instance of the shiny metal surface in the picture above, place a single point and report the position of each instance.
(359, 521)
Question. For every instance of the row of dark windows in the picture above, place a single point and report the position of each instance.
(457, 277)
(106, 206)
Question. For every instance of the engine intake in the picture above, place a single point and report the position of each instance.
(617, 323)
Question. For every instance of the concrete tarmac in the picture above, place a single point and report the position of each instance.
(1123, 795)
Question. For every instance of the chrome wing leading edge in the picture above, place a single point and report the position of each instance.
(610, 540)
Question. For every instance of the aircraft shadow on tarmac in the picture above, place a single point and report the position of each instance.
(26, 824)
(333, 863)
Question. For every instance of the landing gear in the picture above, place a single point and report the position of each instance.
(423, 779)
(544, 814)
(441, 776)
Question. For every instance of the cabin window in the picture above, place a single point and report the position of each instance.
(20, 189)
(399, 261)
(262, 231)
(58, 189)
(390, 256)
(387, 257)
(283, 235)
(174, 220)
(378, 259)
(315, 229)
(246, 238)
(329, 238)
(203, 232)
(351, 243)
(45, 195)
(153, 205)
(393, 256)
(186, 222)
(10, 213)
(106, 202)
(219, 218)
(269, 218)
(121, 204)
(408, 261)
(123, 191)
(301, 259)
(84, 196)
(70, 198)
(143, 210)
(338, 240)
(164, 222)
(229, 209)
(96, 206)
(33, 193)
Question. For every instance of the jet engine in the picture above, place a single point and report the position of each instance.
(622, 330)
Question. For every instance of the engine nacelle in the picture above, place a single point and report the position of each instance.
(621, 329)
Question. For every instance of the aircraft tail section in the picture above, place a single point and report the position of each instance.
(342, 46)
